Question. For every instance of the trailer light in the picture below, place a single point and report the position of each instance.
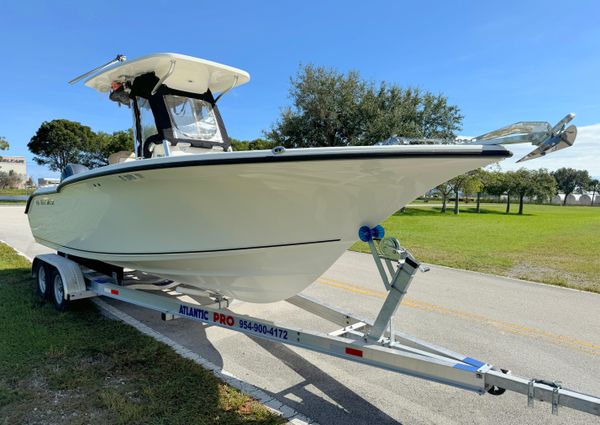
(354, 352)
(114, 291)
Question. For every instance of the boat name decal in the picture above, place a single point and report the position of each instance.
(44, 201)
(131, 177)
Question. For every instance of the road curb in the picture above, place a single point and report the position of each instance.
(271, 403)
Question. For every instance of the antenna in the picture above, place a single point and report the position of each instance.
(118, 58)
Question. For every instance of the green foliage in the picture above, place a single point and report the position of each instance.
(523, 183)
(253, 145)
(13, 192)
(334, 109)
(474, 183)
(544, 185)
(103, 145)
(444, 189)
(569, 179)
(531, 183)
(60, 142)
(459, 183)
(10, 180)
(3, 145)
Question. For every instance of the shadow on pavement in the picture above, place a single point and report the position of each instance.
(351, 408)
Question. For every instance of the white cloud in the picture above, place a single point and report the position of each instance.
(583, 155)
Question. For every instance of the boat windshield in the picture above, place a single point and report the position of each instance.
(148, 127)
(192, 119)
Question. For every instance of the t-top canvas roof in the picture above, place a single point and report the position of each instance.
(188, 74)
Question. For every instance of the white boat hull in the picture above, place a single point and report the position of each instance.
(257, 231)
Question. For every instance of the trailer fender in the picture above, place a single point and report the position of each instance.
(70, 273)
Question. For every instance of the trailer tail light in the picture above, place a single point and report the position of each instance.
(354, 352)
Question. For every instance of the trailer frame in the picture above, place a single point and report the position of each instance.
(360, 340)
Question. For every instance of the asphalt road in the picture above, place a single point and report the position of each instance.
(535, 330)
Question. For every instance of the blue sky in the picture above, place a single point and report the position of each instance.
(499, 62)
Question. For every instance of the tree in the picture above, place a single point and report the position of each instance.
(103, 145)
(480, 179)
(508, 183)
(3, 145)
(334, 109)
(10, 180)
(569, 179)
(457, 184)
(14, 179)
(523, 185)
(538, 183)
(594, 186)
(468, 183)
(60, 142)
(545, 185)
(475, 184)
(256, 144)
(499, 184)
(445, 190)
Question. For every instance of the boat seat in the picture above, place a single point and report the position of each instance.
(159, 151)
(72, 169)
(121, 156)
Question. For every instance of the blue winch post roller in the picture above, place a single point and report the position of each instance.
(367, 234)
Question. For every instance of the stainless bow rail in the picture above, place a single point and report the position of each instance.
(360, 340)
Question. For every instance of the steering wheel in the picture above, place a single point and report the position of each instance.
(155, 139)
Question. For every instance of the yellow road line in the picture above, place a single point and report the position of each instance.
(578, 344)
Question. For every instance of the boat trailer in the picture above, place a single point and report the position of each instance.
(64, 279)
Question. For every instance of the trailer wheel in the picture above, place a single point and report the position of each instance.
(58, 291)
(42, 280)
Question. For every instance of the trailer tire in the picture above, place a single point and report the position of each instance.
(58, 291)
(41, 271)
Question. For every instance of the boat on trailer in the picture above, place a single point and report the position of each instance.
(257, 226)
(65, 279)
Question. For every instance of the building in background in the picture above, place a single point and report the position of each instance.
(16, 164)
(47, 181)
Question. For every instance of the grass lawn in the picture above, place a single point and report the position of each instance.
(5, 202)
(9, 192)
(550, 244)
(78, 367)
